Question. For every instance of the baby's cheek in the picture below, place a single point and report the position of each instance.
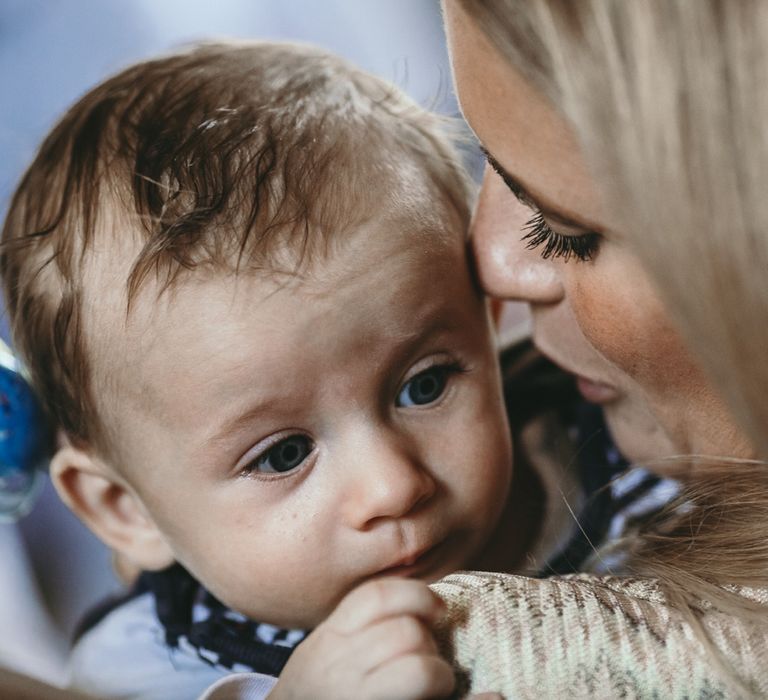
(472, 449)
(493, 450)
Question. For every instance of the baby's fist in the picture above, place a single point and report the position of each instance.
(376, 645)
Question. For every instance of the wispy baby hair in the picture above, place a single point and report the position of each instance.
(226, 156)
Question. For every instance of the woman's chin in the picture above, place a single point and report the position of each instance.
(637, 434)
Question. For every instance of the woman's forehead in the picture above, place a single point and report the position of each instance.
(517, 126)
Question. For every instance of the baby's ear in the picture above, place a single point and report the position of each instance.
(108, 506)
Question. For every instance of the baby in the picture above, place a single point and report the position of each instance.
(238, 278)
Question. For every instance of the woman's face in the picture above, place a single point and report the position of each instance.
(542, 235)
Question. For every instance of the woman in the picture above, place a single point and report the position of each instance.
(625, 143)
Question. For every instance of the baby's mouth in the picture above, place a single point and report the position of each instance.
(418, 564)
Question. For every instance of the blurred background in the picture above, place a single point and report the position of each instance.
(51, 52)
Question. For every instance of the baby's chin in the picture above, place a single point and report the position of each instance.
(294, 616)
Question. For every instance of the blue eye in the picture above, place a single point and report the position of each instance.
(424, 388)
(285, 456)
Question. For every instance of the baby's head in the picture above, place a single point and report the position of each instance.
(238, 278)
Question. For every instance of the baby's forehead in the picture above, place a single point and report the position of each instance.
(413, 221)
(127, 351)
(407, 203)
(122, 331)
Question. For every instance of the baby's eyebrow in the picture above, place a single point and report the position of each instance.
(525, 197)
(239, 422)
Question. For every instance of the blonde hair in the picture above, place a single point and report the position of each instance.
(669, 100)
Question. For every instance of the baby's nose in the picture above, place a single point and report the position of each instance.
(385, 481)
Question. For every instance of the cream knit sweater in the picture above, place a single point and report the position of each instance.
(584, 636)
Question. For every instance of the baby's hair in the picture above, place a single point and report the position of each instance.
(254, 156)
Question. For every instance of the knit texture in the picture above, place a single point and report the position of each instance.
(582, 636)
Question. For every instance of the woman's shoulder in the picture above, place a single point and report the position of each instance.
(586, 636)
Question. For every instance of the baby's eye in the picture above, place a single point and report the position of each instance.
(284, 456)
(425, 387)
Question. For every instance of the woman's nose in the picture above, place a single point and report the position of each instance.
(506, 267)
(386, 480)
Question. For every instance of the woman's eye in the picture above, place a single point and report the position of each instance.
(284, 456)
(538, 232)
(425, 387)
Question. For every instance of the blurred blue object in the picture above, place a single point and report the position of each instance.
(24, 440)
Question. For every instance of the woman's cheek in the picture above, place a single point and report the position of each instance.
(623, 318)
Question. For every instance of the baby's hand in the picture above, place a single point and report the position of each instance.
(376, 644)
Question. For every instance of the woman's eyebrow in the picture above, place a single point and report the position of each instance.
(525, 197)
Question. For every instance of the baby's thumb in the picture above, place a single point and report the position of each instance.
(486, 696)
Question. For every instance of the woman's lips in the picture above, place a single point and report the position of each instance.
(596, 392)
(592, 390)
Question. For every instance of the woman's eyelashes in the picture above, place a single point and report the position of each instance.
(284, 456)
(537, 233)
(427, 386)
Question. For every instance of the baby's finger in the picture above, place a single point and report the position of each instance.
(382, 642)
(486, 696)
(383, 598)
(412, 677)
